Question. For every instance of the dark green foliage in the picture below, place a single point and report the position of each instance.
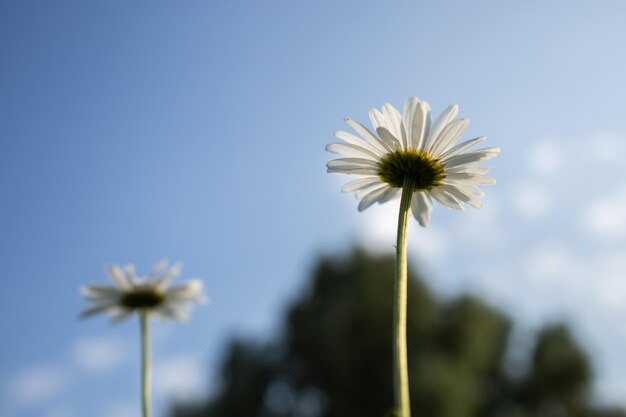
(333, 358)
(559, 380)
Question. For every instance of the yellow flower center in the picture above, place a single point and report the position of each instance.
(143, 298)
(419, 167)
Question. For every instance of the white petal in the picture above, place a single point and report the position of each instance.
(404, 136)
(448, 136)
(120, 314)
(350, 150)
(377, 119)
(388, 138)
(129, 273)
(345, 170)
(480, 170)
(462, 147)
(408, 115)
(371, 198)
(97, 309)
(355, 140)
(421, 207)
(100, 292)
(468, 177)
(170, 311)
(367, 135)
(188, 292)
(390, 194)
(446, 198)
(359, 194)
(461, 168)
(157, 268)
(360, 183)
(421, 125)
(353, 166)
(172, 273)
(446, 117)
(470, 189)
(118, 277)
(354, 161)
(394, 123)
(470, 157)
(461, 195)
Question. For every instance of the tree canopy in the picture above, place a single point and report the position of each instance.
(332, 357)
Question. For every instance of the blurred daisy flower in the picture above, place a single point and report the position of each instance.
(150, 294)
(406, 150)
(146, 296)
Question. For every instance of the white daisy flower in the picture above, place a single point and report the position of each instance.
(407, 150)
(134, 294)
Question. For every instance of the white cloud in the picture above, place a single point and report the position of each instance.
(606, 147)
(100, 353)
(545, 158)
(431, 245)
(606, 216)
(531, 201)
(180, 377)
(36, 385)
(551, 262)
(378, 226)
(606, 280)
(481, 228)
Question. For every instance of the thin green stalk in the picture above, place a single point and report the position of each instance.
(400, 363)
(145, 364)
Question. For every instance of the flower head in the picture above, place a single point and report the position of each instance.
(132, 293)
(406, 150)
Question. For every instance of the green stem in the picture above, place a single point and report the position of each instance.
(145, 364)
(400, 363)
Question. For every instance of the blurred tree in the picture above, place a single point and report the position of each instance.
(558, 382)
(333, 357)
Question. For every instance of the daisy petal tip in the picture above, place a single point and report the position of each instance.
(176, 268)
(338, 133)
(420, 221)
(364, 204)
(112, 269)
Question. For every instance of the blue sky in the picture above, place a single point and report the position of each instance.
(196, 130)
